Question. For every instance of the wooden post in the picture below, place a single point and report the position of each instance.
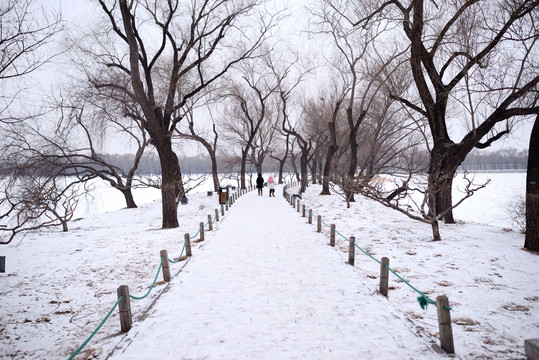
(319, 223)
(293, 202)
(216, 215)
(226, 205)
(298, 205)
(352, 251)
(210, 224)
(222, 210)
(444, 324)
(164, 265)
(187, 244)
(303, 211)
(332, 235)
(384, 276)
(310, 216)
(201, 231)
(125, 308)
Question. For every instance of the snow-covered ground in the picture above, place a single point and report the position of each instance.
(59, 286)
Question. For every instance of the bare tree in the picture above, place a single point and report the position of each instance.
(251, 103)
(327, 113)
(26, 29)
(360, 64)
(477, 56)
(204, 139)
(36, 194)
(285, 153)
(171, 51)
(265, 139)
(75, 142)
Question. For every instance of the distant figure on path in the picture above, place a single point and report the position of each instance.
(271, 186)
(260, 184)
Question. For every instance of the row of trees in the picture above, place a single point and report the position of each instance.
(504, 159)
(403, 88)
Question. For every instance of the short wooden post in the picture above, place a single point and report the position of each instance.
(319, 223)
(384, 276)
(352, 251)
(201, 231)
(444, 324)
(298, 205)
(332, 235)
(222, 210)
(124, 306)
(187, 244)
(216, 215)
(293, 202)
(226, 205)
(303, 212)
(310, 216)
(210, 224)
(164, 265)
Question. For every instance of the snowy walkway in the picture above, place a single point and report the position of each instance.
(265, 285)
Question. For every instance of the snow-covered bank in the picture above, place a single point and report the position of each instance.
(490, 281)
(59, 286)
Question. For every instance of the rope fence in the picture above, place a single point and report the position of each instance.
(442, 303)
(123, 302)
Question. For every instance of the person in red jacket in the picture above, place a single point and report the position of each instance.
(271, 186)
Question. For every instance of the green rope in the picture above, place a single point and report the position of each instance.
(366, 253)
(179, 257)
(422, 299)
(96, 330)
(325, 223)
(194, 236)
(154, 281)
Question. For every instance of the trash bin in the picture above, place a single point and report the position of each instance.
(2, 264)
(184, 201)
(223, 195)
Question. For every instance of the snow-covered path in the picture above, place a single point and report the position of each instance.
(265, 285)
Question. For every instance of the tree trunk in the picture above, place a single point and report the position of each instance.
(327, 168)
(129, 200)
(281, 168)
(242, 170)
(349, 192)
(304, 168)
(214, 171)
(171, 188)
(531, 241)
(444, 161)
(436, 231)
(313, 172)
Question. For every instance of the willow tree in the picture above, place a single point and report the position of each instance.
(473, 62)
(171, 50)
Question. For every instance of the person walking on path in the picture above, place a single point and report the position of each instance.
(271, 186)
(260, 184)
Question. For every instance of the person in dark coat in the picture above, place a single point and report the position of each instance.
(260, 184)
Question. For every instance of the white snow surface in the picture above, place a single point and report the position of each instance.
(265, 285)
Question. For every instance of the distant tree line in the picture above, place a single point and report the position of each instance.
(501, 160)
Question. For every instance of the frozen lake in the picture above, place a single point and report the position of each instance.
(490, 205)
(487, 206)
